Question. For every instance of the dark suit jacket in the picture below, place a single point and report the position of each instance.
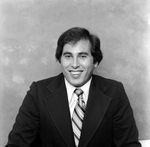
(108, 120)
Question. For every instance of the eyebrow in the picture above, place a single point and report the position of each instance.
(66, 53)
(80, 53)
(85, 53)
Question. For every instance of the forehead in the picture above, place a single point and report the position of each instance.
(80, 46)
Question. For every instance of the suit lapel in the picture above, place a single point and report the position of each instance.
(57, 105)
(96, 107)
(58, 108)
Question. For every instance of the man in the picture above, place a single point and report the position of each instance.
(75, 108)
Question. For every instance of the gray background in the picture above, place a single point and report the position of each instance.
(29, 30)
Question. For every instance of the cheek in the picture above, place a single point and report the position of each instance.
(88, 65)
(64, 64)
(89, 70)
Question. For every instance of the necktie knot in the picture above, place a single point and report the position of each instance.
(78, 92)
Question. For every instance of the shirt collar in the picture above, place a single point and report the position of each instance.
(71, 88)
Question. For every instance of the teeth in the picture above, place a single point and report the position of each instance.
(75, 72)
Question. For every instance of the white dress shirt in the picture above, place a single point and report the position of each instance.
(72, 97)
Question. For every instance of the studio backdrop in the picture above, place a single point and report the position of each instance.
(29, 30)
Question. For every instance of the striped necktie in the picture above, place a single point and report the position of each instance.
(78, 115)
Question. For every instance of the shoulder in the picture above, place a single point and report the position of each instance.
(47, 81)
(105, 81)
(41, 87)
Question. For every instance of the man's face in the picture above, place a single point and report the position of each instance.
(77, 62)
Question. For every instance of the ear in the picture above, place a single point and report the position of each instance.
(95, 64)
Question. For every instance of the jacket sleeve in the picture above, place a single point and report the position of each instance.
(26, 125)
(124, 126)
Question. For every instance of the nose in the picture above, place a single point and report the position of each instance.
(75, 63)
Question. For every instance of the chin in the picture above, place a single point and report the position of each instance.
(76, 84)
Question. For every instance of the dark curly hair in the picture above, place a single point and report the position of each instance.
(76, 34)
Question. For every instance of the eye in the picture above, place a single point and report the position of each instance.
(67, 55)
(83, 56)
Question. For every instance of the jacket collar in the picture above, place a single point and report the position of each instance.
(58, 108)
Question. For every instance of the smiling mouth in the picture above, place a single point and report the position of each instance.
(75, 72)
